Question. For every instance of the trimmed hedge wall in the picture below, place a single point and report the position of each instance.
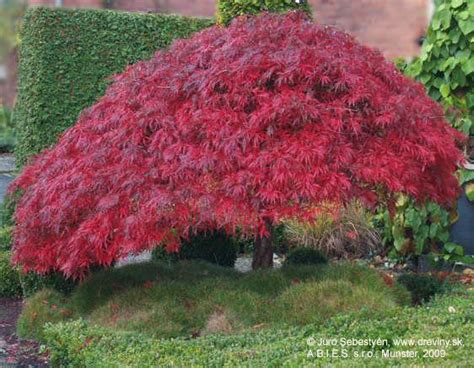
(230, 9)
(66, 56)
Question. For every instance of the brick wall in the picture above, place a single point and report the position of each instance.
(393, 26)
(184, 7)
(69, 3)
(8, 85)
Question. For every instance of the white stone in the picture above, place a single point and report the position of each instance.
(135, 258)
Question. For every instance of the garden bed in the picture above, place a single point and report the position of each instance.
(15, 352)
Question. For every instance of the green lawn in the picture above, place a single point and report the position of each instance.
(185, 299)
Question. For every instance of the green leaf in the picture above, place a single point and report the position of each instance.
(463, 15)
(459, 250)
(449, 247)
(459, 77)
(445, 90)
(466, 26)
(434, 228)
(445, 18)
(466, 175)
(468, 66)
(456, 3)
(453, 248)
(398, 244)
(470, 100)
(470, 191)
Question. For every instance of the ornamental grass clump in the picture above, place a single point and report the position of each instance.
(233, 129)
(341, 231)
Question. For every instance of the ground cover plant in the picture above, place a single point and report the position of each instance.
(234, 128)
(449, 317)
(193, 298)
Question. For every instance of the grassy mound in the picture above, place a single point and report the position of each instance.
(448, 317)
(189, 298)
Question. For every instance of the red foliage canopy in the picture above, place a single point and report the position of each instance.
(233, 127)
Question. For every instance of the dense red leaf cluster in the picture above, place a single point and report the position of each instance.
(234, 127)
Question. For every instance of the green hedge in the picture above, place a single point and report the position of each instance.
(9, 277)
(215, 247)
(77, 344)
(229, 9)
(31, 283)
(66, 56)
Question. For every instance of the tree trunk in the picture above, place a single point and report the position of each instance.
(263, 250)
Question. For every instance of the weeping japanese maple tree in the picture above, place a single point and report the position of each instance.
(235, 128)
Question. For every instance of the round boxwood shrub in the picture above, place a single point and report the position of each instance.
(31, 283)
(422, 286)
(9, 278)
(230, 9)
(305, 256)
(214, 247)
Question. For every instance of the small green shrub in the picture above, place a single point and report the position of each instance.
(214, 247)
(230, 9)
(45, 306)
(31, 283)
(422, 287)
(9, 279)
(5, 237)
(305, 256)
(7, 131)
(415, 229)
(67, 57)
